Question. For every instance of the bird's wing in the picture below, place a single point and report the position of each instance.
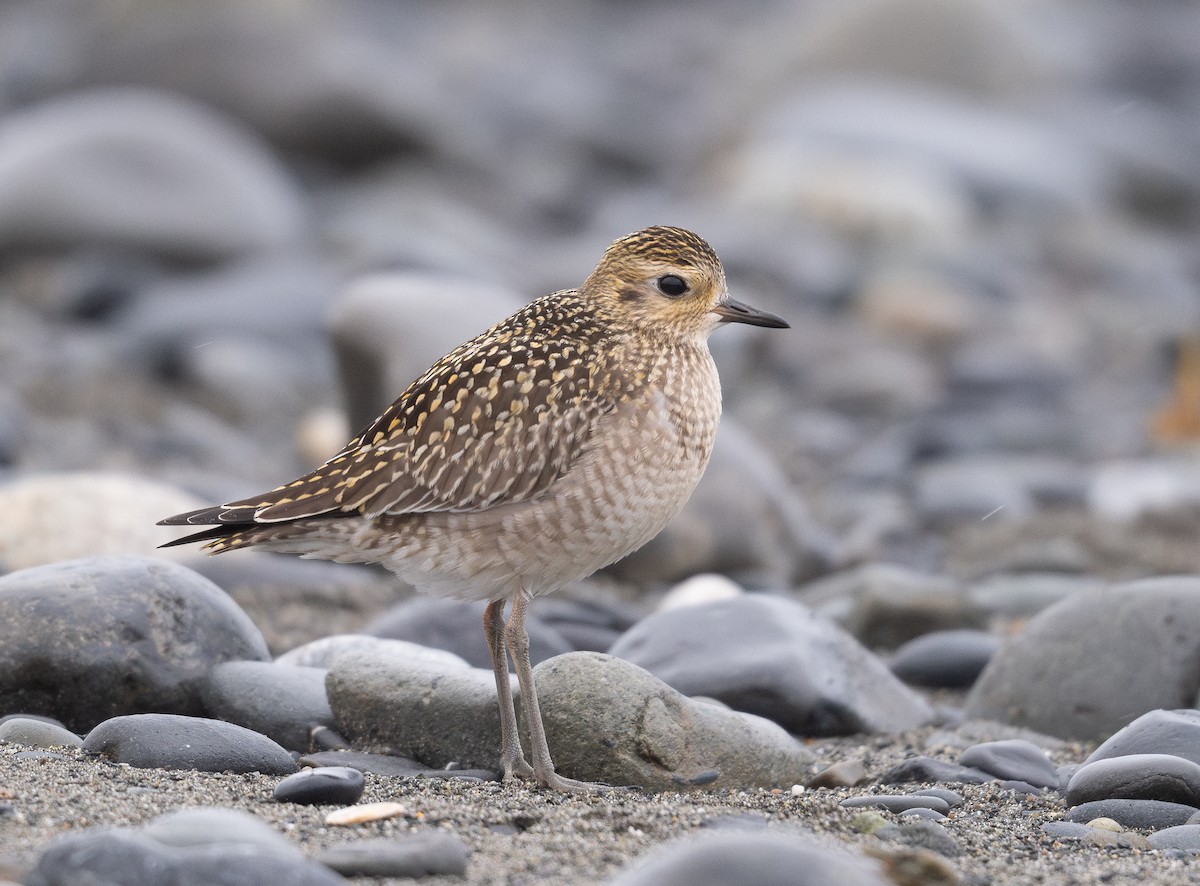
(496, 421)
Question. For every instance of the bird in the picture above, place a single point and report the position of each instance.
(550, 446)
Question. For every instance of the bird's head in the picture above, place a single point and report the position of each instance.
(668, 279)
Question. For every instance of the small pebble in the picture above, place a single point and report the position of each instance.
(326, 785)
(1105, 824)
(897, 802)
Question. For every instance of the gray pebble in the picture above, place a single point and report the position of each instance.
(610, 721)
(944, 659)
(283, 703)
(423, 854)
(897, 802)
(1185, 837)
(952, 798)
(208, 825)
(1012, 759)
(169, 741)
(325, 785)
(37, 733)
(923, 769)
(773, 657)
(920, 813)
(116, 857)
(1156, 732)
(1147, 814)
(86, 640)
(1137, 777)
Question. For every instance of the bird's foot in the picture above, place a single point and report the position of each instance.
(517, 767)
(555, 782)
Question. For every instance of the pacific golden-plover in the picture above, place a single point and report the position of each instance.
(555, 443)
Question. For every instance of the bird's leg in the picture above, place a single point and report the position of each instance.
(543, 766)
(511, 757)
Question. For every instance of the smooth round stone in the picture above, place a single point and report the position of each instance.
(73, 169)
(392, 703)
(207, 825)
(37, 734)
(86, 640)
(1069, 673)
(323, 653)
(169, 741)
(1156, 732)
(610, 721)
(944, 659)
(1185, 837)
(920, 813)
(326, 785)
(283, 703)
(1066, 830)
(897, 802)
(952, 798)
(424, 854)
(1012, 759)
(1137, 777)
(773, 657)
(1146, 814)
(749, 859)
(121, 855)
(926, 769)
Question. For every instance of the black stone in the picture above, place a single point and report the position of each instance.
(326, 785)
(168, 741)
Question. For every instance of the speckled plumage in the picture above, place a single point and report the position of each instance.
(555, 443)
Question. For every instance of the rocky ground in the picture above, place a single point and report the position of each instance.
(955, 504)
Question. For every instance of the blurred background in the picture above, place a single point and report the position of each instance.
(231, 232)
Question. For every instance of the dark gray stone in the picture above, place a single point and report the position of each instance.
(457, 626)
(951, 798)
(749, 859)
(924, 769)
(169, 741)
(610, 721)
(944, 659)
(1012, 759)
(423, 854)
(1136, 777)
(772, 657)
(1156, 732)
(897, 802)
(325, 785)
(119, 857)
(86, 640)
(37, 733)
(1149, 814)
(1080, 669)
(281, 702)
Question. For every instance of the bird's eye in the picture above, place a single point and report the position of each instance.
(672, 285)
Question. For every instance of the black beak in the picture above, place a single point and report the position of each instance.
(733, 311)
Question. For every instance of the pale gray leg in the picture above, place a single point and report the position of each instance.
(543, 766)
(511, 756)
